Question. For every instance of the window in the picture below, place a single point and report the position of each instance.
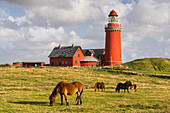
(76, 62)
(63, 62)
(78, 55)
(66, 62)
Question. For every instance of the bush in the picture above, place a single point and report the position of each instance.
(5, 65)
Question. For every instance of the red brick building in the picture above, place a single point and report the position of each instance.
(32, 64)
(89, 61)
(17, 63)
(71, 56)
(66, 56)
(29, 64)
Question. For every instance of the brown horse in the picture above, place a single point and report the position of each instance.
(65, 89)
(123, 86)
(99, 85)
(134, 86)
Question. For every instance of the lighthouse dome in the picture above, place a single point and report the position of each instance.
(113, 13)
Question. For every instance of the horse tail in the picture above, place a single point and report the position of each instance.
(95, 86)
(81, 92)
(135, 88)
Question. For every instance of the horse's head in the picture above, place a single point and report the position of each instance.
(52, 100)
(54, 94)
(128, 83)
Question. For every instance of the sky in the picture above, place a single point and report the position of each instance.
(30, 29)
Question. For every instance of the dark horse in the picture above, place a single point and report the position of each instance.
(134, 86)
(99, 85)
(123, 86)
(65, 89)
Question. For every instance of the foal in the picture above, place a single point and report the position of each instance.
(99, 85)
(65, 89)
(134, 86)
(123, 86)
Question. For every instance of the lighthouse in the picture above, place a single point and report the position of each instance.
(113, 53)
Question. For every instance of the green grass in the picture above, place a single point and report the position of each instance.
(149, 64)
(28, 90)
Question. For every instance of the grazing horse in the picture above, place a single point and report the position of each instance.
(134, 86)
(65, 89)
(99, 85)
(123, 86)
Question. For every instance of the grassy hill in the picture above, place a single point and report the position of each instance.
(28, 89)
(149, 64)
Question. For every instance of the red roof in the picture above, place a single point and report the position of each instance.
(113, 13)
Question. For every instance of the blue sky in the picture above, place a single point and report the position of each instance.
(29, 30)
(13, 10)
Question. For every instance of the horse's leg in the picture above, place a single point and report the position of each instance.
(65, 95)
(80, 100)
(98, 89)
(128, 89)
(78, 97)
(61, 99)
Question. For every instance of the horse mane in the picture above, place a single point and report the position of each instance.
(128, 83)
(55, 89)
(95, 86)
(102, 83)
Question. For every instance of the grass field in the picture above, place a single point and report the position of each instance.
(154, 65)
(28, 90)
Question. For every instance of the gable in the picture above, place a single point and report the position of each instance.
(95, 52)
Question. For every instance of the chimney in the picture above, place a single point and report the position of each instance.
(73, 45)
(59, 46)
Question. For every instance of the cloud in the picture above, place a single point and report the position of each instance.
(47, 23)
(39, 3)
(80, 11)
(150, 12)
(58, 13)
(31, 42)
(146, 28)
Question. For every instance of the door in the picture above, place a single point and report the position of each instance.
(60, 63)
